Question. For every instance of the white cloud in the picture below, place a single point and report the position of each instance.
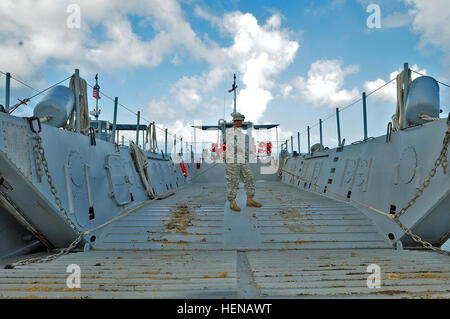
(323, 86)
(396, 20)
(389, 92)
(431, 21)
(105, 41)
(160, 109)
(258, 53)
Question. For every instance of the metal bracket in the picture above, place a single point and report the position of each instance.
(30, 121)
(389, 132)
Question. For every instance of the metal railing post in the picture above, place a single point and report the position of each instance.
(338, 127)
(116, 101)
(175, 144)
(309, 143)
(320, 126)
(165, 142)
(137, 127)
(298, 142)
(364, 115)
(292, 145)
(7, 90)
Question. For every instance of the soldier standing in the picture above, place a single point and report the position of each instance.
(236, 158)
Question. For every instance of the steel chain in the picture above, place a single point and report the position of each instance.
(53, 190)
(441, 160)
(40, 159)
(62, 252)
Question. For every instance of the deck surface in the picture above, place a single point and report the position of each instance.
(190, 245)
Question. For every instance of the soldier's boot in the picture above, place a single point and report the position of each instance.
(251, 202)
(234, 206)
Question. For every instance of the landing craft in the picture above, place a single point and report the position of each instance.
(71, 193)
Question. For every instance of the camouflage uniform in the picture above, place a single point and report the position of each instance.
(234, 172)
(236, 159)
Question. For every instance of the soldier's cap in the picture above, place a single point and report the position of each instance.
(237, 116)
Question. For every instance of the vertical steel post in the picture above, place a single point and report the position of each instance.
(77, 100)
(192, 155)
(123, 141)
(7, 90)
(292, 145)
(364, 115)
(181, 145)
(405, 93)
(320, 126)
(195, 141)
(276, 137)
(137, 127)
(116, 101)
(165, 142)
(338, 127)
(309, 143)
(298, 142)
(175, 144)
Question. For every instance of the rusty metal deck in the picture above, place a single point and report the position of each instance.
(191, 245)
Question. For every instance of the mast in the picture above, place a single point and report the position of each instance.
(234, 87)
(96, 100)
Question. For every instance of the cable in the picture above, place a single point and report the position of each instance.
(435, 79)
(24, 101)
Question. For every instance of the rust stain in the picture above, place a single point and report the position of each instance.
(301, 229)
(428, 275)
(219, 275)
(180, 218)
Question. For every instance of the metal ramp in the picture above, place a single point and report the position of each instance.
(198, 217)
(190, 245)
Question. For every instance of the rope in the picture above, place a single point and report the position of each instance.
(84, 109)
(428, 118)
(140, 161)
(150, 138)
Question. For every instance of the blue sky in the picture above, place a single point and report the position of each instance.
(296, 61)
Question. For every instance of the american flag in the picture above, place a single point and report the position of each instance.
(96, 92)
(234, 87)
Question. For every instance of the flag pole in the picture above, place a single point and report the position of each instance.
(234, 86)
(96, 100)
